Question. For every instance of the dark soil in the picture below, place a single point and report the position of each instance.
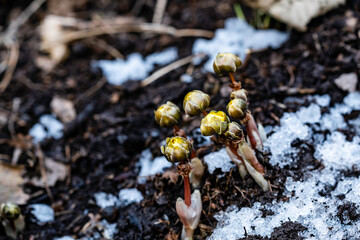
(100, 163)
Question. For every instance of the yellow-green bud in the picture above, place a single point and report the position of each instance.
(239, 94)
(10, 211)
(195, 102)
(214, 122)
(237, 108)
(177, 149)
(234, 131)
(225, 63)
(167, 115)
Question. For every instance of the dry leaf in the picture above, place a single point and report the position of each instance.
(55, 171)
(171, 176)
(63, 109)
(295, 13)
(51, 32)
(11, 181)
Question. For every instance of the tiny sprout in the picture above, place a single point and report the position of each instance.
(177, 149)
(167, 115)
(196, 102)
(234, 131)
(10, 211)
(237, 108)
(189, 215)
(239, 94)
(226, 63)
(214, 122)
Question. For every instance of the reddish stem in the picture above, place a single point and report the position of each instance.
(204, 112)
(235, 84)
(187, 191)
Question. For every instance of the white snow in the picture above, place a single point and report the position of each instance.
(126, 197)
(218, 159)
(48, 127)
(150, 166)
(135, 67)
(237, 37)
(130, 195)
(43, 213)
(104, 200)
(323, 100)
(306, 205)
(110, 229)
(64, 238)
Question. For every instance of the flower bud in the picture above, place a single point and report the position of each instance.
(234, 131)
(167, 115)
(195, 102)
(239, 94)
(214, 122)
(225, 63)
(177, 149)
(189, 215)
(10, 211)
(237, 108)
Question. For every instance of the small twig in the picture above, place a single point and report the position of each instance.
(159, 11)
(13, 59)
(108, 48)
(161, 72)
(140, 28)
(90, 91)
(43, 171)
(8, 35)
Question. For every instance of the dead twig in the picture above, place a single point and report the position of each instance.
(13, 59)
(159, 11)
(8, 38)
(161, 72)
(40, 156)
(140, 28)
(90, 92)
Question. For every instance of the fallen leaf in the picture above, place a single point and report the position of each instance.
(11, 182)
(55, 171)
(63, 109)
(347, 82)
(51, 32)
(295, 13)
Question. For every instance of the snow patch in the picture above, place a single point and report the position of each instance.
(130, 195)
(135, 67)
(307, 203)
(237, 37)
(43, 213)
(219, 159)
(49, 127)
(150, 166)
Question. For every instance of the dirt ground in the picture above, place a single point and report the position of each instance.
(90, 149)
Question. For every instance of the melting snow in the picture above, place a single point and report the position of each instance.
(43, 213)
(218, 159)
(135, 67)
(150, 166)
(130, 195)
(306, 205)
(126, 197)
(237, 37)
(48, 127)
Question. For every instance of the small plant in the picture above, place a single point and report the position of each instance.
(11, 219)
(178, 149)
(230, 133)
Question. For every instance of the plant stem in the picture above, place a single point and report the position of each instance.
(187, 191)
(204, 112)
(235, 85)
